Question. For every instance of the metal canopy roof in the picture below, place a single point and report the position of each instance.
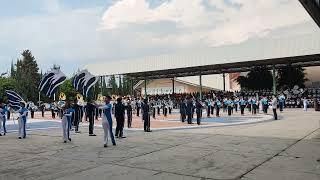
(299, 51)
(313, 8)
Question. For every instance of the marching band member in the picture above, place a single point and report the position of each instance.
(3, 111)
(66, 119)
(129, 112)
(218, 106)
(199, 107)
(119, 114)
(170, 105)
(146, 116)
(22, 120)
(107, 121)
(242, 103)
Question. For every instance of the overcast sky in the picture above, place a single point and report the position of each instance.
(73, 33)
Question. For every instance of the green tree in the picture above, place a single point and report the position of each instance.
(68, 90)
(290, 76)
(12, 70)
(113, 84)
(6, 84)
(258, 78)
(27, 76)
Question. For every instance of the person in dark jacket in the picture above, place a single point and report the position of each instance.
(199, 107)
(119, 114)
(76, 116)
(189, 110)
(146, 116)
(183, 107)
(129, 113)
(90, 113)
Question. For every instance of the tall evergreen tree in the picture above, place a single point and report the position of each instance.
(290, 76)
(113, 84)
(27, 76)
(12, 70)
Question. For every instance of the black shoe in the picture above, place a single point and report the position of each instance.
(114, 144)
(92, 135)
(24, 137)
(19, 137)
(64, 141)
(0, 134)
(105, 145)
(78, 131)
(149, 131)
(122, 137)
(69, 139)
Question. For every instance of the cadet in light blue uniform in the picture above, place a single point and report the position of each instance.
(218, 106)
(22, 120)
(107, 122)
(3, 118)
(242, 103)
(66, 119)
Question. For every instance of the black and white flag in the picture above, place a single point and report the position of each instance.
(14, 99)
(83, 81)
(51, 81)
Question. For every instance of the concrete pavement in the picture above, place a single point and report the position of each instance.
(284, 149)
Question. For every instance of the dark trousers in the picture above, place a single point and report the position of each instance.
(208, 111)
(189, 119)
(229, 110)
(275, 114)
(212, 108)
(119, 128)
(281, 105)
(154, 113)
(53, 114)
(217, 111)
(91, 123)
(242, 109)
(170, 110)
(158, 110)
(32, 114)
(198, 118)
(183, 117)
(146, 124)
(42, 113)
(250, 107)
(165, 111)
(129, 115)
(265, 109)
(254, 109)
(236, 107)
(138, 111)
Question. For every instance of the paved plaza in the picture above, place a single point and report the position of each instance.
(285, 149)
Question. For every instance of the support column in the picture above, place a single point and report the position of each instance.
(132, 88)
(200, 79)
(145, 88)
(172, 86)
(224, 81)
(274, 81)
(101, 85)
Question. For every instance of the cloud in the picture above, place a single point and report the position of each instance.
(212, 22)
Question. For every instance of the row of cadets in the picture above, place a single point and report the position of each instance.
(3, 118)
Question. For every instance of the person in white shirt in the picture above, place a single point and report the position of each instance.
(305, 104)
(274, 104)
